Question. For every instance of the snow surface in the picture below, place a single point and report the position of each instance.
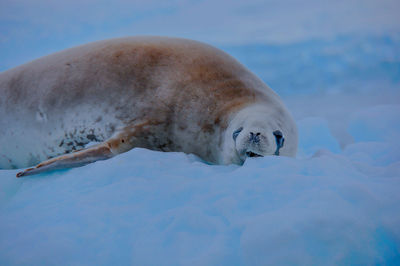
(338, 202)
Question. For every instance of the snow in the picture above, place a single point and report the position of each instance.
(336, 203)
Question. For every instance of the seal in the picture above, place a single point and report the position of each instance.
(98, 100)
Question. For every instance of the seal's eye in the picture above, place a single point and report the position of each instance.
(279, 140)
(236, 133)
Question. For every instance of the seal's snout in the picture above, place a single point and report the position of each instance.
(279, 140)
(255, 137)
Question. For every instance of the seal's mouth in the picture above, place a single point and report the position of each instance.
(252, 154)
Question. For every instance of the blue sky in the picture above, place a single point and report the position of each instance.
(30, 29)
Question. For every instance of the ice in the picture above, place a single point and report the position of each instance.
(376, 123)
(315, 134)
(150, 208)
(336, 203)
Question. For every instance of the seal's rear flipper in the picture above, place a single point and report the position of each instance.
(80, 158)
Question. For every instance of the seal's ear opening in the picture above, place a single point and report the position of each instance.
(236, 133)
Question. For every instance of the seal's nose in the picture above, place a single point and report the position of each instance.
(255, 137)
(279, 140)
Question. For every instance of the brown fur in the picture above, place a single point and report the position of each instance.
(149, 91)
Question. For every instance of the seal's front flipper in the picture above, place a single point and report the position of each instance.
(79, 158)
(120, 143)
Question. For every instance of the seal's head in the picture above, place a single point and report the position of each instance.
(259, 131)
(257, 141)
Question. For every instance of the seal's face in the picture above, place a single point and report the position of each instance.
(257, 141)
(262, 131)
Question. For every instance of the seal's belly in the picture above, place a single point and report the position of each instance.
(29, 141)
